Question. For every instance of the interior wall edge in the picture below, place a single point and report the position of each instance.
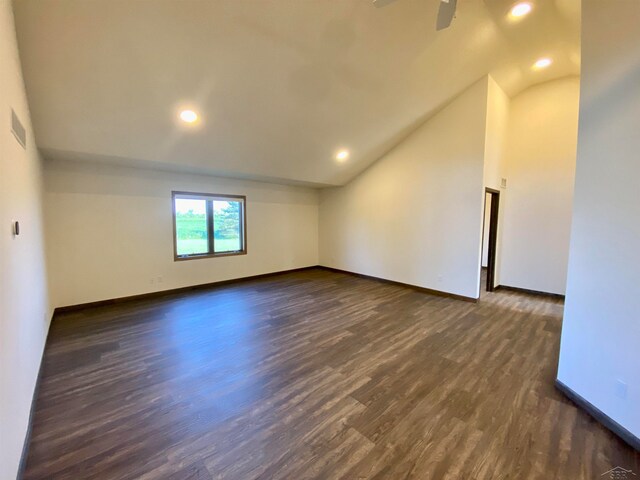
(174, 291)
(599, 415)
(25, 301)
(418, 288)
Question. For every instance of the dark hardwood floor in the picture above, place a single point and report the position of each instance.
(313, 374)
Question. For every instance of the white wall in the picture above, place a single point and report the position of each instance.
(495, 159)
(415, 216)
(537, 206)
(24, 311)
(496, 135)
(110, 231)
(601, 329)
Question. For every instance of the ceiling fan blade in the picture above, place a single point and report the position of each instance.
(446, 12)
(382, 3)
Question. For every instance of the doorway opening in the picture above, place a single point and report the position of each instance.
(490, 236)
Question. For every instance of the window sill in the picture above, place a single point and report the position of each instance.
(208, 255)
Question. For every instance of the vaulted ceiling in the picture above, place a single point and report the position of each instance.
(280, 85)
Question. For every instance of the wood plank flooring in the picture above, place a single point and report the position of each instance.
(313, 374)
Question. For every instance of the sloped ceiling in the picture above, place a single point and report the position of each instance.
(280, 85)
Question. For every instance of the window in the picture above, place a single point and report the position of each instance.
(208, 225)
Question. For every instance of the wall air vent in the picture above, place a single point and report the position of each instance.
(18, 130)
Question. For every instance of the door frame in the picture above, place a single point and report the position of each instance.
(493, 235)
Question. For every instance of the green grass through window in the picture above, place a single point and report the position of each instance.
(191, 231)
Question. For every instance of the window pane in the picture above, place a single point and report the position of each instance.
(191, 226)
(227, 216)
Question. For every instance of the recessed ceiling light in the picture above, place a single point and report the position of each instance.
(188, 116)
(520, 9)
(542, 63)
(342, 155)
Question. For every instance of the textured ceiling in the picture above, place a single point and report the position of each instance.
(280, 85)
